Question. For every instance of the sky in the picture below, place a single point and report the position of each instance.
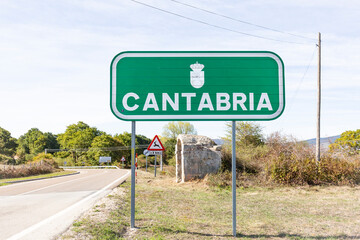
(55, 58)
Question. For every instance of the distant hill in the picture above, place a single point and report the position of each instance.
(219, 141)
(324, 142)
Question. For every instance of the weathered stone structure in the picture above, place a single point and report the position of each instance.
(196, 156)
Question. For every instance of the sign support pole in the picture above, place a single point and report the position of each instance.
(146, 163)
(132, 222)
(155, 167)
(233, 141)
(161, 162)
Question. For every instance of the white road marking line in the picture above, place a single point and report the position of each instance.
(45, 221)
(30, 182)
(39, 189)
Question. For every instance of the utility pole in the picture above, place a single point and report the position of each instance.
(318, 103)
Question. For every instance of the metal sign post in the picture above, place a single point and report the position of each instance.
(161, 163)
(146, 153)
(155, 167)
(233, 168)
(132, 221)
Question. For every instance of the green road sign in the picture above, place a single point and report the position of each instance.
(197, 86)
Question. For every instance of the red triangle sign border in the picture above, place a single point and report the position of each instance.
(156, 149)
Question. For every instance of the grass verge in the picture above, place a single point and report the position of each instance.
(48, 175)
(167, 210)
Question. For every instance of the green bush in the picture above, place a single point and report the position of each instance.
(61, 161)
(6, 159)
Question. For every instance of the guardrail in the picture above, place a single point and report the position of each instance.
(85, 167)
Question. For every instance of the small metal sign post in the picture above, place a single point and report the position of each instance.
(155, 167)
(193, 85)
(161, 163)
(146, 153)
(156, 148)
(123, 161)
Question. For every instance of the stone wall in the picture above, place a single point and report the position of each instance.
(196, 156)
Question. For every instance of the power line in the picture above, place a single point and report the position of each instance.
(302, 79)
(215, 26)
(97, 149)
(241, 21)
(296, 92)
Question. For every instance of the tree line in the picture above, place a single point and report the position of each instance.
(81, 144)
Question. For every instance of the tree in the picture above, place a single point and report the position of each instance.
(78, 136)
(169, 146)
(170, 133)
(7, 145)
(125, 140)
(51, 141)
(348, 141)
(34, 142)
(98, 149)
(173, 129)
(247, 133)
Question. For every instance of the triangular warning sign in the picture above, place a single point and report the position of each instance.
(156, 145)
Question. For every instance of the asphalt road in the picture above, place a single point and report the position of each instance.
(43, 209)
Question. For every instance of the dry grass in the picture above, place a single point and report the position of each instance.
(100, 220)
(7, 171)
(193, 210)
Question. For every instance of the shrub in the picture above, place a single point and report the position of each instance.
(25, 170)
(248, 158)
(291, 162)
(284, 160)
(338, 171)
(6, 159)
(220, 180)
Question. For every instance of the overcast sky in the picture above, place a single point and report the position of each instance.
(55, 58)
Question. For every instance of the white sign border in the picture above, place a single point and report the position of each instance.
(197, 117)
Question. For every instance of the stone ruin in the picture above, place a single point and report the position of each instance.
(196, 156)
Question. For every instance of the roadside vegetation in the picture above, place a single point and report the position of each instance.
(275, 159)
(282, 192)
(25, 170)
(195, 210)
(280, 159)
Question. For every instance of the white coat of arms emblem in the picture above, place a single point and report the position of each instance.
(197, 75)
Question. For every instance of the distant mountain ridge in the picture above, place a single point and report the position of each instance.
(324, 142)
